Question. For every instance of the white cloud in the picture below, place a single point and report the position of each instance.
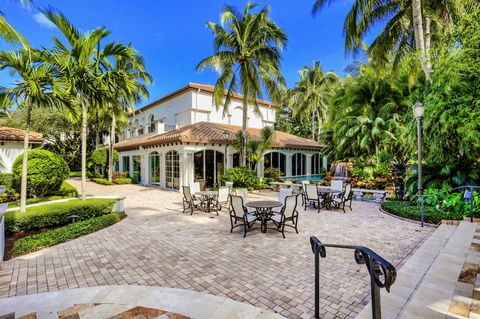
(43, 20)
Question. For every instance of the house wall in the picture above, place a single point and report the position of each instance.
(9, 152)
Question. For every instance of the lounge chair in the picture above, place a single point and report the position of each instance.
(288, 213)
(239, 213)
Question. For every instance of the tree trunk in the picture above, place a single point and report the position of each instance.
(112, 141)
(84, 147)
(97, 137)
(243, 158)
(428, 39)
(23, 186)
(419, 34)
(313, 126)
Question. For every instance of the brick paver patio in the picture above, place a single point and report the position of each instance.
(158, 246)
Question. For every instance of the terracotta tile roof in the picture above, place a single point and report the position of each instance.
(195, 86)
(16, 135)
(212, 133)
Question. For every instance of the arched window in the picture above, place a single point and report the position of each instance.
(276, 160)
(172, 170)
(315, 164)
(154, 168)
(298, 164)
(151, 128)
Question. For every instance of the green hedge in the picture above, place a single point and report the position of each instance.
(75, 174)
(6, 179)
(412, 211)
(123, 180)
(102, 181)
(60, 235)
(66, 191)
(56, 214)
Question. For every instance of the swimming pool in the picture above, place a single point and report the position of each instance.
(313, 178)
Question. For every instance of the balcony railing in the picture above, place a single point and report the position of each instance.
(382, 273)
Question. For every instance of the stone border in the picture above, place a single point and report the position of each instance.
(407, 219)
(118, 207)
(186, 302)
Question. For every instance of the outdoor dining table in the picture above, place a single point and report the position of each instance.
(326, 194)
(208, 198)
(263, 210)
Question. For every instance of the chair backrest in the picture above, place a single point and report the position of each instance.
(187, 193)
(242, 192)
(284, 192)
(229, 184)
(348, 191)
(223, 193)
(305, 183)
(236, 204)
(337, 185)
(311, 191)
(290, 205)
(195, 187)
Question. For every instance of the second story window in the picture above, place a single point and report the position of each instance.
(151, 128)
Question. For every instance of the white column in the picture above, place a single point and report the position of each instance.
(288, 165)
(182, 161)
(325, 162)
(308, 162)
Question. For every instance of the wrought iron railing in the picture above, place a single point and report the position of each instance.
(382, 273)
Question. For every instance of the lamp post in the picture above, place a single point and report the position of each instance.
(226, 136)
(418, 111)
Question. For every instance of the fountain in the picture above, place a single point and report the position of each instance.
(341, 170)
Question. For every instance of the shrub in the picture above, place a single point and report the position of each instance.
(123, 180)
(242, 177)
(412, 211)
(450, 202)
(116, 175)
(46, 172)
(75, 174)
(56, 214)
(99, 157)
(102, 181)
(6, 179)
(9, 196)
(60, 235)
(273, 173)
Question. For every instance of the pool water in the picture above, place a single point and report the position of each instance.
(313, 178)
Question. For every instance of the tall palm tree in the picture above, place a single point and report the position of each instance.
(37, 87)
(247, 58)
(311, 95)
(8, 33)
(408, 24)
(77, 62)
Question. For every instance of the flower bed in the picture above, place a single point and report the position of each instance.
(410, 210)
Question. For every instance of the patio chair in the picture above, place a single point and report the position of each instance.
(289, 213)
(229, 185)
(303, 190)
(337, 185)
(188, 201)
(243, 193)
(311, 197)
(239, 213)
(340, 200)
(284, 192)
(222, 198)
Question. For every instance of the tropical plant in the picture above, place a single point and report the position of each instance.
(82, 66)
(247, 58)
(8, 33)
(311, 95)
(255, 146)
(409, 26)
(38, 87)
(242, 177)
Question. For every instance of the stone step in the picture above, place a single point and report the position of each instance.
(421, 268)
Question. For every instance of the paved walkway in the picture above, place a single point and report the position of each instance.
(158, 246)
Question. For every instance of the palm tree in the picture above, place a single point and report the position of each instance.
(247, 58)
(77, 62)
(8, 33)
(311, 95)
(256, 147)
(37, 87)
(408, 24)
(365, 113)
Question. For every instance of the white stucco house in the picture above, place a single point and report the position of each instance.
(11, 145)
(181, 138)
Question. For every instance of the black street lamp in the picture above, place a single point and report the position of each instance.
(226, 136)
(418, 111)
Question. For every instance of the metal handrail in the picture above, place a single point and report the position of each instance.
(377, 267)
(471, 189)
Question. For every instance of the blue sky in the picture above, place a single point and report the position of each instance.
(172, 37)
